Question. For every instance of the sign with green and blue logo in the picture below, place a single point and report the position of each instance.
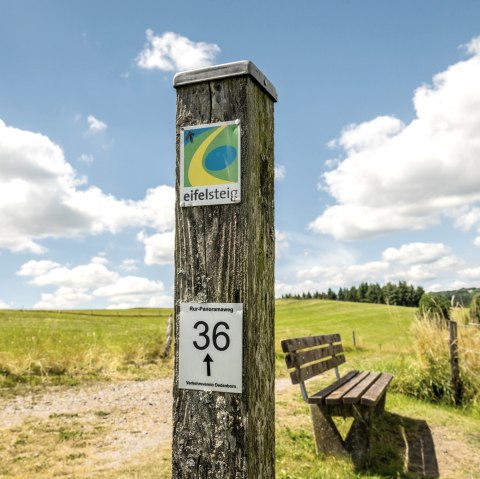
(210, 164)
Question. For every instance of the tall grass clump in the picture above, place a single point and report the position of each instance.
(428, 376)
(475, 309)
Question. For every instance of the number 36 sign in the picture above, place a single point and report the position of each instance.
(210, 346)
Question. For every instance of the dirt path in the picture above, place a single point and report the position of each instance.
(125, 420)
(128, 400)
(116, 421)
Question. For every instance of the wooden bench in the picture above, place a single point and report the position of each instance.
(357, 394)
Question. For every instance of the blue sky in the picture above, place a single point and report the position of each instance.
(376, 142)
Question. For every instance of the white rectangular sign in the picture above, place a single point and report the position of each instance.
(210, 346)
(210, 164)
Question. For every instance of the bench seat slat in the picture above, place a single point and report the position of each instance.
(354, 395)
(374, 394)
(319, 398)
(289, 345)
(302, 374)
(304, 357)
(336, 396)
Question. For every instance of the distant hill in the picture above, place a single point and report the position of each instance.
(462, 296)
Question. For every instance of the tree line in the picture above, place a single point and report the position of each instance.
(399, 294)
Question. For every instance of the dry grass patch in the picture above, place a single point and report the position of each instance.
(428, 376)
(79, 446)
(69, 347)
(48, 448)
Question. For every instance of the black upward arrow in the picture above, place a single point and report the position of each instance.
(208, 360)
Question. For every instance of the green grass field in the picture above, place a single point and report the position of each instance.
(375, 325)
(41, 348)
(70, 346)
(382, 333)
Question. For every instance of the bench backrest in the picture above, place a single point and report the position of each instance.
(312, 355)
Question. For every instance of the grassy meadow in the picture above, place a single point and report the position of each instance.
(382, 333)
(67, 347)
(71, 347)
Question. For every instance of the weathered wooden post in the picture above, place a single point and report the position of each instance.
(168, 338)
(224, 387)
(454, 363)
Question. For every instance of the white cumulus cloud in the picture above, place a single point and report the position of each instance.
(41, 196)
(174, 52)
(159, 248)
(397, 176)
(36, 268)
(81, 284)
(281, 242)
(4, 305)
(84, 158)
(63, 298)
(129, 286)
(152, 301)
(471, 274)
(412, 253)
(95, 125)
(415, 263)
(280, 172)
(129, 265)
(82, 276)
(135, 291)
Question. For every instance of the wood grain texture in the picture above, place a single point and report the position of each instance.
(294, 344)
(319, 397)
(354, 395)
(225, 254)
(375, 392)
(300, 375)
(294, 360)
(454, 363)
(336, 396)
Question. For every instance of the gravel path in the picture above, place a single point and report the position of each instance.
(138, 414)
(118, 398)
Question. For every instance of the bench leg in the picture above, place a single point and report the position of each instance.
(327, 438)
(358, 441)
(380, 407)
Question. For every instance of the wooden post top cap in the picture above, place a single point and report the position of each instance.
(216, 72)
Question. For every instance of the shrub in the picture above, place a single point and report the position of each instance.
(475, 309)
(434, 307)
(428, 377)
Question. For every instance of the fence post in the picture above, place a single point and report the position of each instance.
(224, 256)
(454, 363)
(168, 339)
